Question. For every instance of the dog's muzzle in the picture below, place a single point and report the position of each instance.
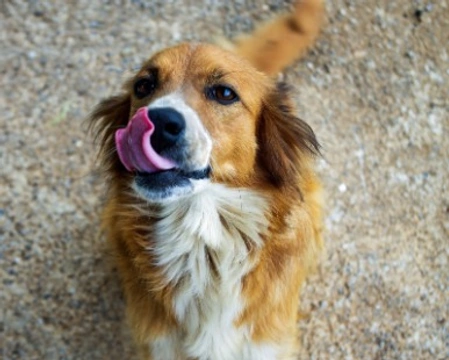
(155, 148)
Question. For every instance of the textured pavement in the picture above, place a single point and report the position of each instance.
(375, 89)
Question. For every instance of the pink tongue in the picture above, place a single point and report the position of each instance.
(134, 147)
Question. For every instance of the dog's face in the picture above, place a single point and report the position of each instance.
(197, 113)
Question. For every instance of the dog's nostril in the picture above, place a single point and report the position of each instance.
(173, 128)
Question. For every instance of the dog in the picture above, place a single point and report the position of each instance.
(213, 207)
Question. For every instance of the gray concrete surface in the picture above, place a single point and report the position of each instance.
(375, 89)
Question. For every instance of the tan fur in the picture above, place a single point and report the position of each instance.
(277, 44)
(258, 144)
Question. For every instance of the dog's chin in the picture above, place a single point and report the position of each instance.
(169, 185)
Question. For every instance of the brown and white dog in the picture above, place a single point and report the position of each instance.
(213, 208)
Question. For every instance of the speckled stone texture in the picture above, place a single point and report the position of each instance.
(375, 89)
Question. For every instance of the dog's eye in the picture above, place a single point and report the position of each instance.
(222, 94)
(144, 86)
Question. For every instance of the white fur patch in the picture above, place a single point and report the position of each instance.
(166, 347)
(205, 243)
(263, 352)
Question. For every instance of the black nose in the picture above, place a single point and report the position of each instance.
(169, 127)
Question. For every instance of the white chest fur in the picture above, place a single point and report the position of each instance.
(205, 244)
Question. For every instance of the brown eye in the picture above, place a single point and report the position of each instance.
(222, 94)
(145, 86)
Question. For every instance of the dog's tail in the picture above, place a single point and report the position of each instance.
(275, 45)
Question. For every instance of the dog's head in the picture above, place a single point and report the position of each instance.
(195, 114)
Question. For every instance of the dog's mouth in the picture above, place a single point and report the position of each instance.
(170, 178)
(167, 184)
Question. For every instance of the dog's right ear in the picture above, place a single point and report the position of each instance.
(110, 115)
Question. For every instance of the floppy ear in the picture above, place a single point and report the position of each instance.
(283, 139)
(109, 115)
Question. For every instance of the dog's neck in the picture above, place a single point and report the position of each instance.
(218, 225)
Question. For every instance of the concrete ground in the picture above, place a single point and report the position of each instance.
(375, 89)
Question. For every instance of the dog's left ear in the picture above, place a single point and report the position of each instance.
(283, 139)
(110, 115)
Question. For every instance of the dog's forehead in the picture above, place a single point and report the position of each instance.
(204, 62)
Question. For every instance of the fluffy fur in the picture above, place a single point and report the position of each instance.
(214, 270)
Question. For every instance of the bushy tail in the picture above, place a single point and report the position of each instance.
(277, 44)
